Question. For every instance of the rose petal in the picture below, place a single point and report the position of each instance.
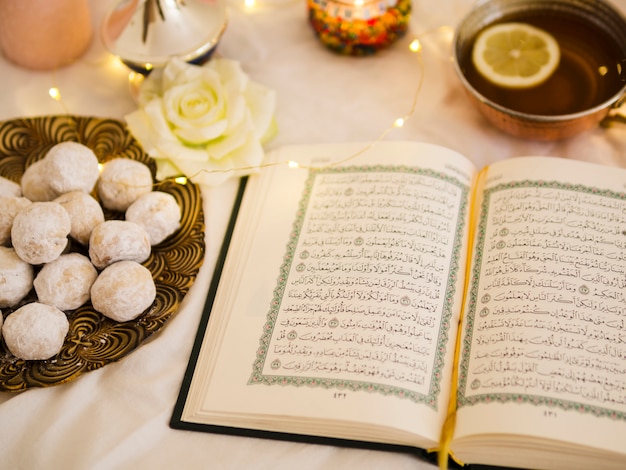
(234, 83)
(156, 120)
(236, 108)
(202, 135)
(261, 103)
(231, 73)
(150, 89)
(139, 127)
(149, 127)
(178, 153)
(183, 104)
(166, 169)
(221, 148)
(176, 72)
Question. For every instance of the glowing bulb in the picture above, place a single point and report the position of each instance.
(399, 122)
(54, 93)
(100, 167)
(115, 63)
(249, 3)
(181, 180)
(415, 45)
(359, 3)
(293, 164)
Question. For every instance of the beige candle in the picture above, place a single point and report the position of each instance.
(44, 34)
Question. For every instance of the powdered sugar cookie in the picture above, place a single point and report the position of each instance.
(35, 183)
(85, 213)
(123, 291)
(16, 277)
(10, 206)
(71, 166)
(9, 188)
(65, 283)
(118, 240)
(122, 182)
(39, 232)
(35, 331)
(158, 213)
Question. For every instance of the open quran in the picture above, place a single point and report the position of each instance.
(393, 295)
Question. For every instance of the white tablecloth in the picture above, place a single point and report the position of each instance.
(117, 417)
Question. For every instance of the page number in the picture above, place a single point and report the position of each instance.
(549, 414)
(340, 395)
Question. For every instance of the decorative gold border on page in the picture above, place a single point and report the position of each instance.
(430, 399)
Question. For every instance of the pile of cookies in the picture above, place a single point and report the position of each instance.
(60, 203)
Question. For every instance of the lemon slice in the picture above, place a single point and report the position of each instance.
(516, 55)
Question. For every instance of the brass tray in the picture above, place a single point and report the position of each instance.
(94, 340)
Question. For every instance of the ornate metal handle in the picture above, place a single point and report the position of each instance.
(615, 117)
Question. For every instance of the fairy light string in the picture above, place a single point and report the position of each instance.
(415, 47)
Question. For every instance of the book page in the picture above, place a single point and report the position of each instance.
(341, 295)
(544, 344)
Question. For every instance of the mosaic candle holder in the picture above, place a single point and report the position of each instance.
(359, 27)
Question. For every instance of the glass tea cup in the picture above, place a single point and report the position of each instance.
(585, 90)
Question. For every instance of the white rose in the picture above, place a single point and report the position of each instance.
(203, 121)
